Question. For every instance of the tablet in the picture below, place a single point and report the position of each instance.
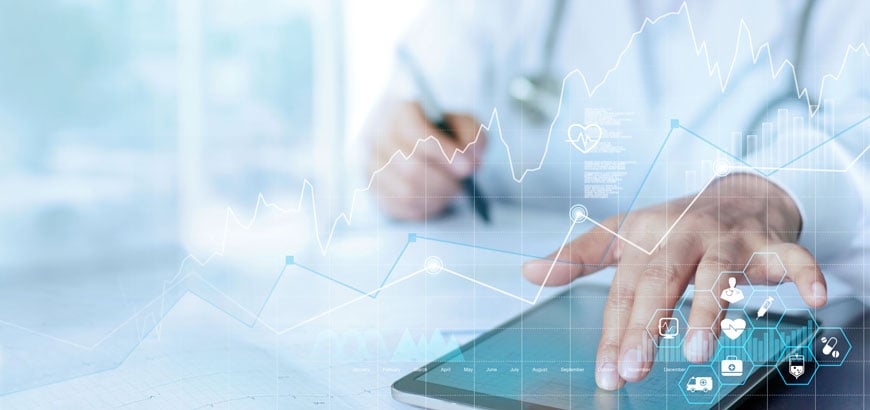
(545, 359)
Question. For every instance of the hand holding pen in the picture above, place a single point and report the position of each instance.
(424, 184)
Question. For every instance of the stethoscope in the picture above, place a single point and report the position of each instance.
(538, 95)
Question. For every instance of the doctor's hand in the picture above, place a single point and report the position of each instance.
(735, 216)
(425, 183)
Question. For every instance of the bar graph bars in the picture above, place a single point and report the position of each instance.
(797, 337)
(798, 132)
(764, 346)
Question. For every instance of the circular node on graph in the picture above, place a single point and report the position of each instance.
(579, 213)
(721, 167)
(433, 265)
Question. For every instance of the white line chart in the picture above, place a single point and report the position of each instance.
(667, 233)
(157, 308)
(842, 170)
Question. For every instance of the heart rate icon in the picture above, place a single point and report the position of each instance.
(733, 328)
(584, 138)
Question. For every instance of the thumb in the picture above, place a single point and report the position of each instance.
(587, 254)
(470, 136)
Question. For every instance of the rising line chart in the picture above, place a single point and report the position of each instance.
(158, 308)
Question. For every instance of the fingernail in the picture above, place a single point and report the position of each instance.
(699, 348)
(606, 377)
(819, 293)
(534, 269)
(630, 365)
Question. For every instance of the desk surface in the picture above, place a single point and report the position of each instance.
(248, 331)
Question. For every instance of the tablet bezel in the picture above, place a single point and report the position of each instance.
(410, 390)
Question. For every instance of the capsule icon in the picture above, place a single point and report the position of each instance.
(830, 344)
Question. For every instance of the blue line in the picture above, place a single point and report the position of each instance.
(637, 194)
(792, 161)
(468, 245)
(819, 145)
(120, 363)
(849, 128)
(351, 287)
(249, 325)
(395, 262)
(331, 279)
(646, 177)
(718, 148)
(163, 314)
(271, 291)
(158, 321)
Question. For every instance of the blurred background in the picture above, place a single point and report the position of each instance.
(127, 128)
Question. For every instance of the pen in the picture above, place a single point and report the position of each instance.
(764, 307)
(434, 114)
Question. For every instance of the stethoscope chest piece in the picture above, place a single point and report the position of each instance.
(537, 97)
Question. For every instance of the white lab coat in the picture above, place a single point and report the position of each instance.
(470, 52)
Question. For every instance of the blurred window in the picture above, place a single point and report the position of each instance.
(119, 121)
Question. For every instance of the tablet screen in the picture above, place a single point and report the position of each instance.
(547, 357)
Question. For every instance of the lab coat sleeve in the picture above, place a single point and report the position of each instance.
(824, 164)
(452, 41)
(825, 183)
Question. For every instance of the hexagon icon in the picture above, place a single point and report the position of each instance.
(667, 328)
(735, 327)
(700, 384)
(765, 268)
(796, 326)
(799, 366)
(764, 346)
(733, 364)
(732, 289)
(762, 306)
(831, 346)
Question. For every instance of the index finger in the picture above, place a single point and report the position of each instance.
(660, 284)
(589, 253)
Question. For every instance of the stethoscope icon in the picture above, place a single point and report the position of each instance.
(732, 294)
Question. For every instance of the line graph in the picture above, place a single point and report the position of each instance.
(845, 169)
(493, 123)
(667, 232)
(385, 284)
(766, 171)
(157, 308)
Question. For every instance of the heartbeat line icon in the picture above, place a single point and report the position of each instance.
(582, 137)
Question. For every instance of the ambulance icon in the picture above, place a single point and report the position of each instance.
(700, 384)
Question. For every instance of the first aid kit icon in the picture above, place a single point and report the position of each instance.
(732, 366)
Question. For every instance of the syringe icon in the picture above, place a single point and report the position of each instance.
(764, 306)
